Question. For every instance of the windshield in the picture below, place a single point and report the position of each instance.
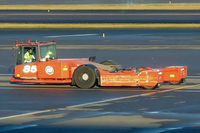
(48, 51)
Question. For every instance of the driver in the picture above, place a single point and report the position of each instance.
(28, 56)
(48, 54)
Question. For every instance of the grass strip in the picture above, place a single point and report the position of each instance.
(94, 26)
(174, 6)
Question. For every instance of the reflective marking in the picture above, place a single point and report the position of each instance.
(97, 102)
(76, 35)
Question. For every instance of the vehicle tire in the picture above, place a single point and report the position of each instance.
(85, 77)
(150, 87)
(178, 82)
(175, 83)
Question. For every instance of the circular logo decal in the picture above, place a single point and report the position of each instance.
(49, 70)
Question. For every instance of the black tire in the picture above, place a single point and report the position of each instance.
(178, 82)
(151, 87)
(85, 77)
(175, 83)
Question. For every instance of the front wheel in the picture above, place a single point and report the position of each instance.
(85, 77)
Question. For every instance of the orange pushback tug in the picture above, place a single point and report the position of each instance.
(45, 67)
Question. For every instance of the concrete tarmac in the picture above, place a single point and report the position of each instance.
(98, 16)
(111, 36)
(47, 108)
(62, 108)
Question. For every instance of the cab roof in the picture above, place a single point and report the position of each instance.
(33, 43)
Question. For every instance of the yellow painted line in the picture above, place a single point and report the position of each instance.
(133, 96)
(95, 25)
(25, 114)
(173, 6)
(168, 90)
(98, 102)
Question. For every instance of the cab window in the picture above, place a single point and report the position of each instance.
(48, 52)
(29, 54)
(19, 56)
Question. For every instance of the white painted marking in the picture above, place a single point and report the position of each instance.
(154, 112)
(17, 127)
(3, 66)
(26, 114)
(7, 74)
(76, 35)
(193, 76)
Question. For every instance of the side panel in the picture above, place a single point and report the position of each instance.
(26, 71)
(149, 78)
(118, 79)
(174, 73)
(52, 70)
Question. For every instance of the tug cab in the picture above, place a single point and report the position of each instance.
(42, 51)
(43, 68)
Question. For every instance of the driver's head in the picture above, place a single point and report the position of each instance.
(49, 52)
(30, 50)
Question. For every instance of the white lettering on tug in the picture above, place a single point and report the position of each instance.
(28, 68)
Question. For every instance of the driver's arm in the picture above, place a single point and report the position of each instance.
(33, 57)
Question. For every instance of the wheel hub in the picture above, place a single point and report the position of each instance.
(85, 76)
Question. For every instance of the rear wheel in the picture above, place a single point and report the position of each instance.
(85, 77)
(175, 83)
(150, 87)
(178, 82)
